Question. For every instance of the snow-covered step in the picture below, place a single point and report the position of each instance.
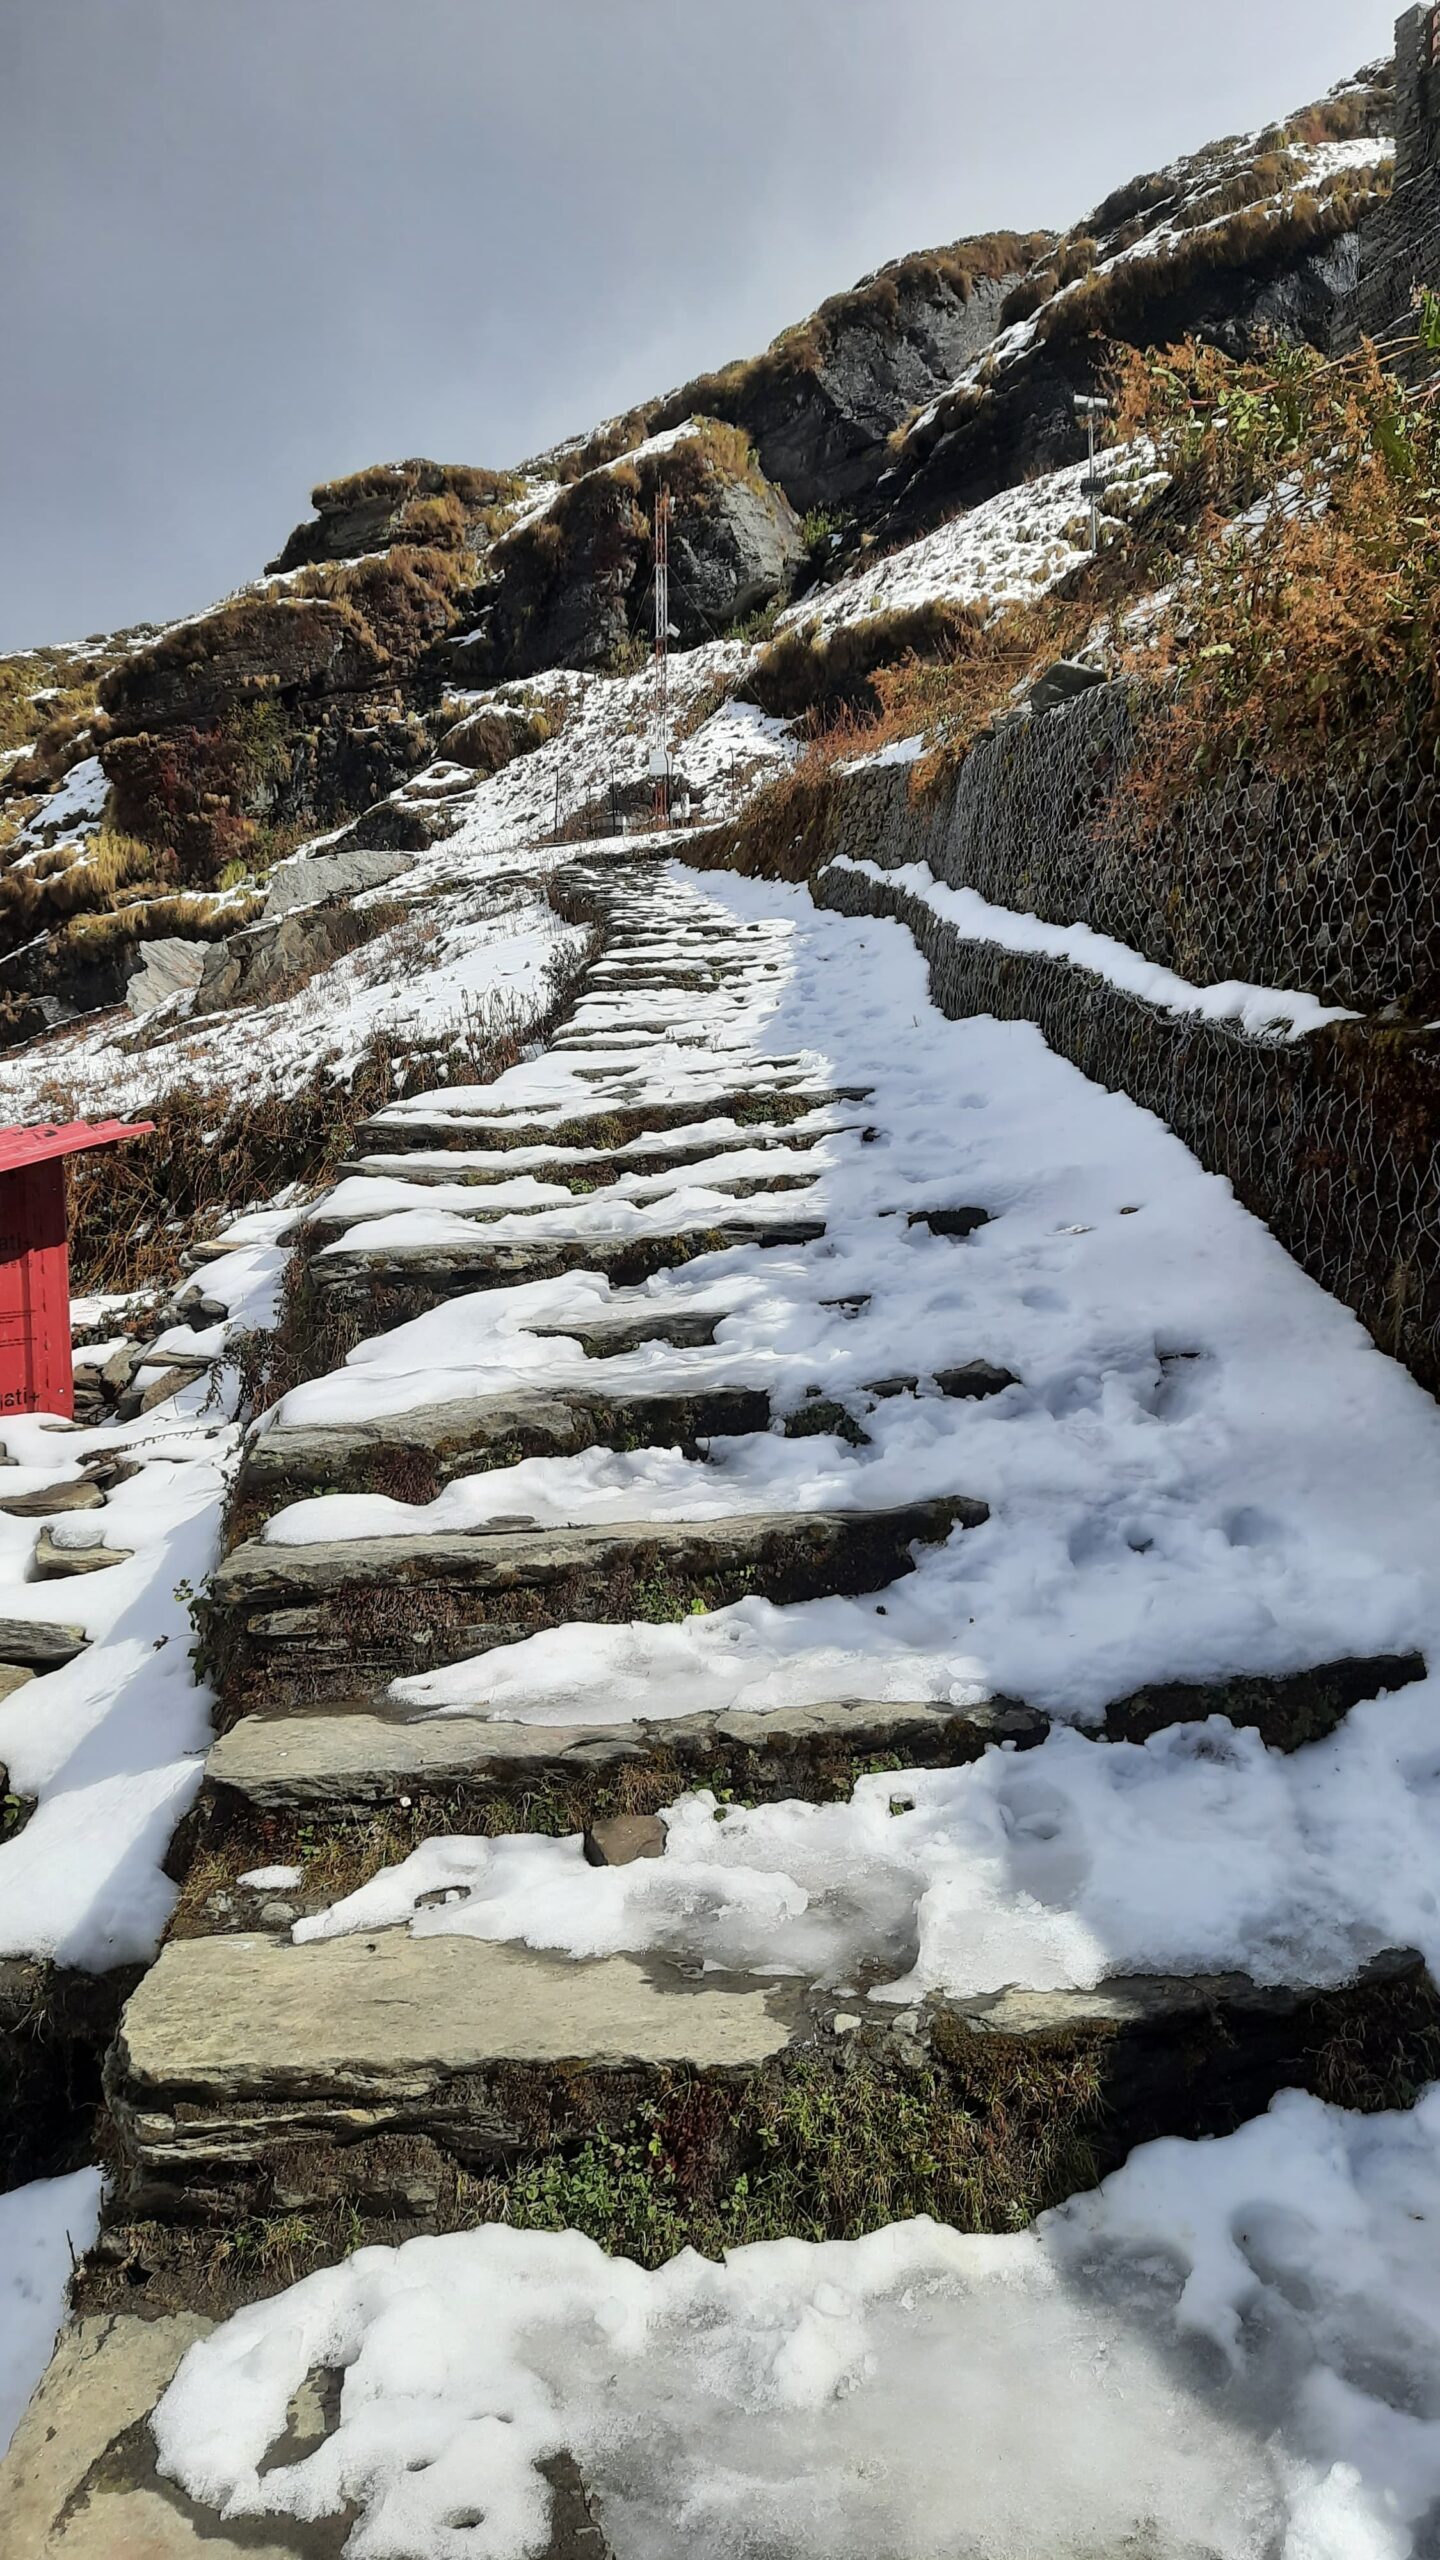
(583, 1168)
(414, 1452)
(385, 1282)
(612, 1122)
(361, 1199)
(291, 1624)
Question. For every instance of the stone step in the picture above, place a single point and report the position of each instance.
(290, 1625)
(610, 1334)
(251, 2075)
(595, 1168)
(324, 1225)
(412, 1454)
(339, 1762)
(331, 1763)
(384, 1285)
(612, 1123)
(234, 2048)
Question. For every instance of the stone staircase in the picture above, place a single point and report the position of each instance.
(271, 2101)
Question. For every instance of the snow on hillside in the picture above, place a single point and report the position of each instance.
(1010, 549)
(448, 958)
(601, 732)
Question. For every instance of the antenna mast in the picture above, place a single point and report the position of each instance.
(660, 752)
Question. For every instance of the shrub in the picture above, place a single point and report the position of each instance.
(807, 669)
(1309, 630)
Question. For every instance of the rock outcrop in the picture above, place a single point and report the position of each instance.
(570, 589)
(400, 502)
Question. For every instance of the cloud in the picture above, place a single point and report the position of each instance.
(251, 247)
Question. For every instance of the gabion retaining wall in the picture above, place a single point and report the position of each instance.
(1332, 887)
(1331, 1139)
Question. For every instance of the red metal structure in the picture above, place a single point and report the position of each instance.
(35, 1371)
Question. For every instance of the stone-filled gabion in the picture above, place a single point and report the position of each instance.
(1331, 1138)
(1330, 886)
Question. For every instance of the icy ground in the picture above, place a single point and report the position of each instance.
(1006, 551)
(1230, 2350)
(44, 2228)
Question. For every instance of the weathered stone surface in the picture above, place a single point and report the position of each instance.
(169, 966)
(77, 1494)
(12, 1678)
(80, 2481)
(1061, 683)
(1140, 2000)
(371, 1279)
(611, 1123)
(568, 590)
(268, 960)
(618, 1839)
(38, 1644)
(1288, 1709)
(294, 1624)
(339, 873)
(234, 2044)
(325, 1225)
(432, 1443)
(595, 1167)
(57, 1564)
(273, 643)
(342, 1759)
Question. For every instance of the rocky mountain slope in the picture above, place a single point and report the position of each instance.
(385, 623)
(720, 1727)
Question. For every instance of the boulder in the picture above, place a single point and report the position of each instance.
(570, 588)
(164, 968)
(270, 960)
(340, 871)
(254, 647)
(415, 501)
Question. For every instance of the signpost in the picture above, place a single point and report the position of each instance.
(35, 1370)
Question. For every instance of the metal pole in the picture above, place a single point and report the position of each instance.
(661, 754)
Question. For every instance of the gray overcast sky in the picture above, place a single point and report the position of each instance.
(250, 244)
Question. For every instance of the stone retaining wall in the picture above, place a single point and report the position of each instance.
(1331, 1139)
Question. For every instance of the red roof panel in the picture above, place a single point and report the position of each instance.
(65, 1138)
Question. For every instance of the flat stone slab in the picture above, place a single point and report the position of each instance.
(324, 1228)
(346, 1758)
(435, 1442)
(592, 1165)
(610, 1123)
(301, 1761)
(293, 1624)
(433, 1271)
(609, 1336)
(235, 2046)
(38, 1644)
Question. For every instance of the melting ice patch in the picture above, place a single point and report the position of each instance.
(1231, 2350)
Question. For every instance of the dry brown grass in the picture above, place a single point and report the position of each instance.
(1119, 301)
(468, 484)
(1312, 635)
(804, 670)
